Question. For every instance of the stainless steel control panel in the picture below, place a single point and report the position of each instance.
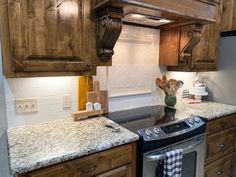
(171, 129)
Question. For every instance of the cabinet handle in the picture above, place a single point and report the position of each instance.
(222, 146)
(220, 172)
(222, 124)
(89, 169)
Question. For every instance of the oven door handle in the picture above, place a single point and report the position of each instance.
(163, 156)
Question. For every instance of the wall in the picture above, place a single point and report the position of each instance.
(221, 84)
(48, 91)
(130, 81)
(4, 169)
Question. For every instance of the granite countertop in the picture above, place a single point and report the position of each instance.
(208, 110)
(36, 146)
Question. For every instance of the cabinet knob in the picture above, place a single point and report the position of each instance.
(220, 172)
(222, 124)
(222, 146)
(88, 66)
(89, 169)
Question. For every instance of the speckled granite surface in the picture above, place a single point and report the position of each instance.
(208, 110)
(36, 146)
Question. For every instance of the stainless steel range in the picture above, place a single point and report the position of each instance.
(162, 129)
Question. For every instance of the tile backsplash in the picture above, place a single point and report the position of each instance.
(130, 81)
(48, 91)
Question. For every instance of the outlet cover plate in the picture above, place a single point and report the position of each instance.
(66, 101)
(26, 105)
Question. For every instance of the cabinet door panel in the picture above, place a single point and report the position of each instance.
(57, 171)
(125, 171)
(220, 168)
(228, 15)
(205, 55)
(50, 35)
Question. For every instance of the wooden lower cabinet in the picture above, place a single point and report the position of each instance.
(116, 162)
(220, 168)
(221, 147)
(124, 171)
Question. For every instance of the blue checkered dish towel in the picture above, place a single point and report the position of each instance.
(173, 163)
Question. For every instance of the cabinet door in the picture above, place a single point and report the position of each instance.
(57, 171)
(205, 55)
(125, 171)
(50, 35)
(228, 15)
(220, 168)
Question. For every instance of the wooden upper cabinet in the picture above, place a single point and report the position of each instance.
(196, 47)
(206, 54)
(50, 35)
(228, 15)
(47, 36)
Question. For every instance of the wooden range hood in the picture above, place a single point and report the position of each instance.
(153, 13)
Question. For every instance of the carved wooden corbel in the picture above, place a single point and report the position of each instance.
(193, 33)
(109, 26)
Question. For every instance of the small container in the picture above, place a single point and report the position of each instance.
(97, 106)
(89, 106)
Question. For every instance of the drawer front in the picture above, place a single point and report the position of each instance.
(220, 124)
(220, 142)
(124, 171)
(220, 168)
(91, 165)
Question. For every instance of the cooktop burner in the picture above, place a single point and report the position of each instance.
(145, 117)
(158, 125)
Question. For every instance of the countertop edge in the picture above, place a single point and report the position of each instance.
(68, 157)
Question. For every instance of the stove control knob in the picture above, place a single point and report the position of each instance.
(197, 120)
(156, 130)
(148, 132)
(191, 121)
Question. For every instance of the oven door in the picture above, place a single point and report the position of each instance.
(193, 158)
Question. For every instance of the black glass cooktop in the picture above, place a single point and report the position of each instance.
(145, 117)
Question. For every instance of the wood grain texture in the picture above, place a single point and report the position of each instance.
(117, 161)
(220, 124)
(169, 47)
(221, 167)
(109, 25)
(176, 44)
(177, 10)
(220, 144)
(124, 171)
(85, 84)
(104, 100)
(228, 15)
(206, 54)
(44, 38)
(44, 33)
(81, 115)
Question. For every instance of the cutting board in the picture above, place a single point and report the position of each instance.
(85, 84)
(100, 96)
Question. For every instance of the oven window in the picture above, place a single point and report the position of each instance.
(189, 164)
(155, 169)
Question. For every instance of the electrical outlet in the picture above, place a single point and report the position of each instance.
(29, 105)
(66, 101)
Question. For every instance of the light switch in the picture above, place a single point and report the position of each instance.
(66, 101)
(28, 105)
